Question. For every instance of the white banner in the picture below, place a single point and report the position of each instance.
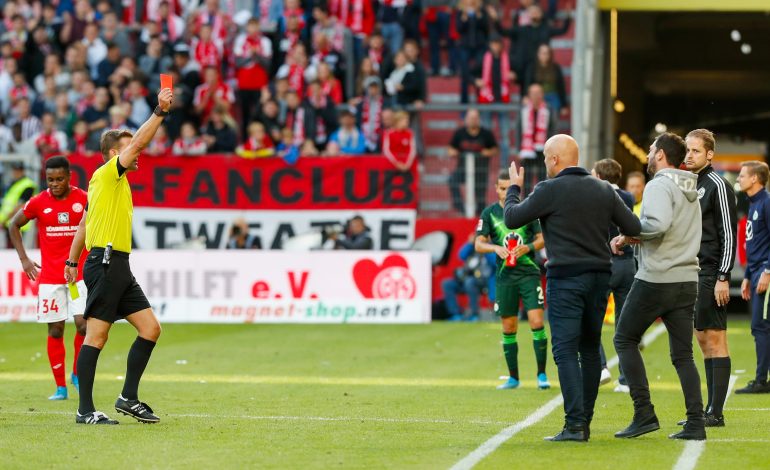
(391, 229)
(250, 286)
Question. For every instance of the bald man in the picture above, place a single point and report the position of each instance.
(576, 211)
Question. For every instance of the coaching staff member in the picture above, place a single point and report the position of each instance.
(753, 180)
(576, 211)
(113, 293)
(665, 286)
(716, 258)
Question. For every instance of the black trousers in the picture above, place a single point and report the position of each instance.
(675, 304)
(576, 308)
(623, 271)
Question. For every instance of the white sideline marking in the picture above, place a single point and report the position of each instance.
(470, 460)
(693, 449)
(690, 455)
(747, 409)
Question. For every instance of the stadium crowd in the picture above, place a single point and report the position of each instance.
(256, 77)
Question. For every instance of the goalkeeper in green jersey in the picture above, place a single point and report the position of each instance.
(517, 279)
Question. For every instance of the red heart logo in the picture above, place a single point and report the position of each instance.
(366, 270)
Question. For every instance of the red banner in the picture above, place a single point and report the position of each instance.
(231, 182)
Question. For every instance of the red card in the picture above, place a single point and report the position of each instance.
(166, 82)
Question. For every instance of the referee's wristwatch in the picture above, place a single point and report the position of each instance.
(159, 112)
(71, 264)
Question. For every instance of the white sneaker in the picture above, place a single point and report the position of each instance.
(620, 388)
(606, 377)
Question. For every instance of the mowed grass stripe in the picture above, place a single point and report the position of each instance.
(306, 380)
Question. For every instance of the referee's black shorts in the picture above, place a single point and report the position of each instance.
(709, 315)
(113, 292)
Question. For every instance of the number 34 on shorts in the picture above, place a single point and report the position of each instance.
(54, 302)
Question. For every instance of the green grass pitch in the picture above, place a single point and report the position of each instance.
(347, 396)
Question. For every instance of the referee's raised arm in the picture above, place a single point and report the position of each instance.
(129, 156)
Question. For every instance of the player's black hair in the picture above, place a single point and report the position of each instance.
(58, 162)
(673, 146)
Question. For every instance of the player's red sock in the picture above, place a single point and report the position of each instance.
(56, 355)
(78, 343)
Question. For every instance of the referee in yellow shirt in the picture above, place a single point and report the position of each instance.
(113, 292)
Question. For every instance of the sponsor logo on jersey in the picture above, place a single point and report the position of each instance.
(64, 217)
(48, 210)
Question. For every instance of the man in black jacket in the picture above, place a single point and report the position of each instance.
(716, 258)
(575, 212)
(623, 264)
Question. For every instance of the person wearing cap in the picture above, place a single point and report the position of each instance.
(16, 195)
(348, 139)
(495, 78)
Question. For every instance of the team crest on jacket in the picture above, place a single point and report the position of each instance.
(701, 192)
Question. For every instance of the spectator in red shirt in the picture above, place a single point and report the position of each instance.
(207, 49)
(189, 142)
(212, 92)
(330, 86)
(50, 140)
(21, 89)
(398, 144)
(252, 60)
(78, 142)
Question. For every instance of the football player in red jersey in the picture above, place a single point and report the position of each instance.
(58, 211)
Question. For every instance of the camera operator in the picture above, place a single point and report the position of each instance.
(356, 236)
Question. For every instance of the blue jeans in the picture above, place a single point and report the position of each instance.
(469, 58)
(576, 308)
(437, 31)
(452, 288)
(393, 34)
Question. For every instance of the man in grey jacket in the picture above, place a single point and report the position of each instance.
(665, 286)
